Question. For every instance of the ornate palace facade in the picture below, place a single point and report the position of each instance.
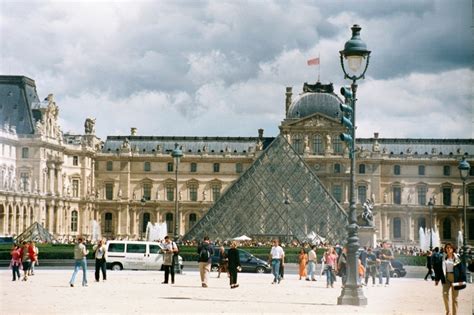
(65, 181)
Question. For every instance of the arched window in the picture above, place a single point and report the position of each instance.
(74, 218)
(397, 228)
(145, 220)
(192, 219)
(447, 229)
(169, 222)
(108, 222)
(297, 144)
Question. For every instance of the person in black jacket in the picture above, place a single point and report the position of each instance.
(205, 252)
(429, 266)
(234, 264)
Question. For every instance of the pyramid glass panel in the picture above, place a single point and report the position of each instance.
(279, 196)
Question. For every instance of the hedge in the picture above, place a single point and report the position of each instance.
(189, 253)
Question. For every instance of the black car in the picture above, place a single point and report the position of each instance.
(248, 262)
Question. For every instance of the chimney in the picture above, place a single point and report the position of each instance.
(260, 133)
(376, 135)
(133, 131)
(289, 93)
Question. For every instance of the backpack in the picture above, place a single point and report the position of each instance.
(204, 254)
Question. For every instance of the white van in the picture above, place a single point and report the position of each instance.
(134, 255)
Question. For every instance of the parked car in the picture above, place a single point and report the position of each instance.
(136, 255)
(249, 262)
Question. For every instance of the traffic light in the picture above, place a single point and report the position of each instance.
(347, 116)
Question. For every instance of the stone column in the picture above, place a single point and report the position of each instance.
(119, 221)
(384, 226)
(411, 235)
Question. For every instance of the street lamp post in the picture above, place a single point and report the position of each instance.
(355, 53)
(177, 154)
(430, 205)
(464, 169)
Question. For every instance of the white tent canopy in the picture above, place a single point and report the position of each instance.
(242, 238)
(315, 238)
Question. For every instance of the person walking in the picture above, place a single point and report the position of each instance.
(34, 260)
(169, 249)
(205, 252)
(312, 262)
(276, 257)
(233, 264)
(372, 263)
(429, 265)
(342, 266)
(451, 272)
(80, 261)
(27, 255)
(386, 255)
(330, 260)
(303, 261)
(15, 261)
(100, 255)
(223, 261)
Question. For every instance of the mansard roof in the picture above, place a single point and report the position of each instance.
(165, 144)
(401, 146)
(18, 98)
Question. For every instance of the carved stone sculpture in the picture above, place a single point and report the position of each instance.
(89, 126)
(368, 215)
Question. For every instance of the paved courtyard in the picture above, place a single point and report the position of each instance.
(141, 292)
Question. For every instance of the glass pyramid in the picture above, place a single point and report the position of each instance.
(279, 196)
(37, 233)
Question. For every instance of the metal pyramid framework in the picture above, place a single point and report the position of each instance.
(279, 196)
(36, 232)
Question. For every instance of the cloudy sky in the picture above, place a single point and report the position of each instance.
(220, 68)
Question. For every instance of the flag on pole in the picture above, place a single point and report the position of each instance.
(313, 62)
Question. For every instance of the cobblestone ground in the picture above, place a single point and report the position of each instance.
(141, 292)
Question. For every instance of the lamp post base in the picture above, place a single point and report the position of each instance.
(352, 296)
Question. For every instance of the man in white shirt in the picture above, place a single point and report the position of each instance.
(312, 261)
(277, 256)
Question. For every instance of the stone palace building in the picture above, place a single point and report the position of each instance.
(65, 181)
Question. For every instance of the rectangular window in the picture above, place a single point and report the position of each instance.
(238, 168)
(318, 145)
(75, 160)
(147, 167)
(146, 191)
(25, 153)
(170, 167)
(116, 248)
(422, 195)
(136, 248)
(170, 193)
(297, 145)
(337, 168)
(216, 193)
(75, 188)
(421, 170)
(193, 194)
(471, 229)
(446, 170)
(110, 166)
(216, 167)
(109, 191)
(337, 192)
(447, 196)
(193, 167)
(337, 144)
(362, 169)
(470, 196)
(397, 195)
(362, 194)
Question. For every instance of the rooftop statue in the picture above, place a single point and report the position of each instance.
(89, 126)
